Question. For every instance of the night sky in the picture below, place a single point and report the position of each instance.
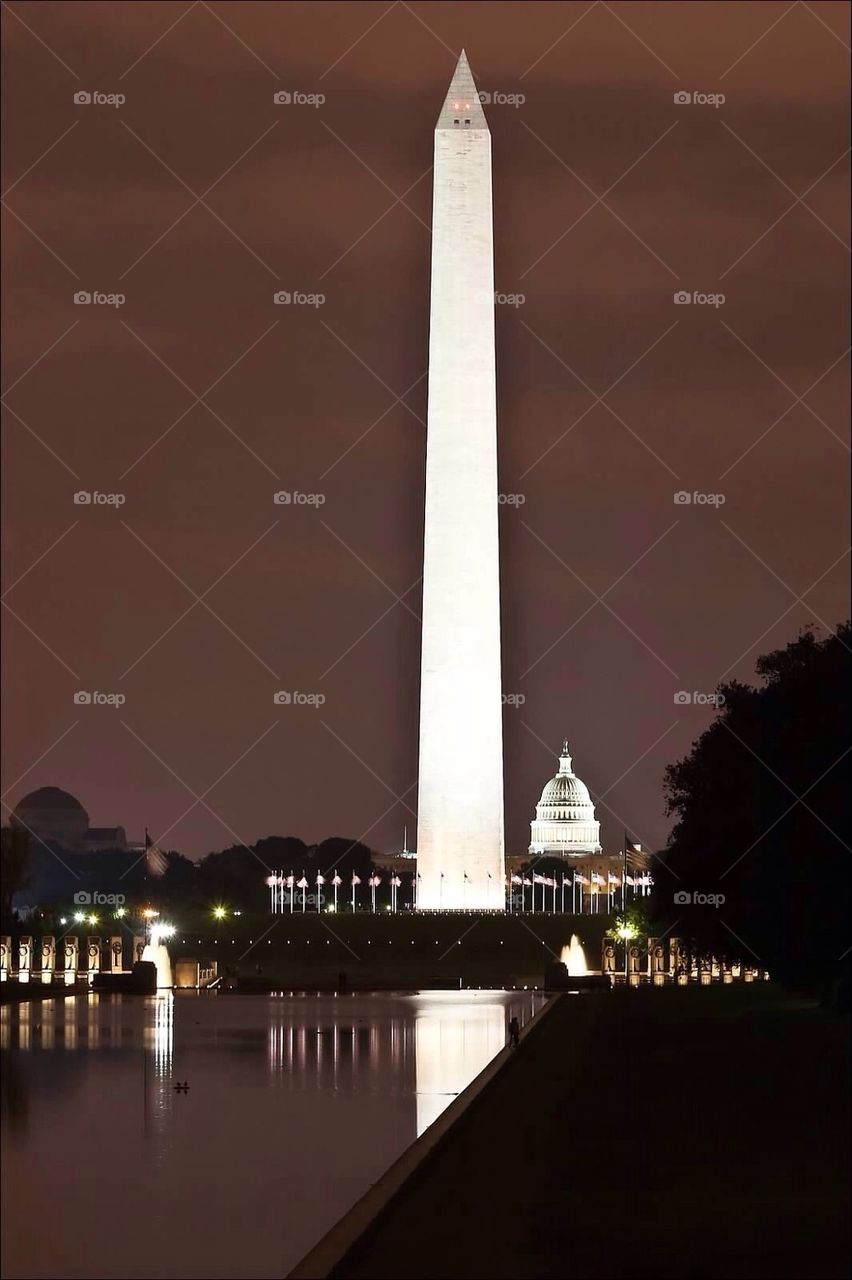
(199, 198)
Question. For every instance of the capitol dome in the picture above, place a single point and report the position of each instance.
(564, 822)
(52, 814)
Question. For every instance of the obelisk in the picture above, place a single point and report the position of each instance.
(460, 861)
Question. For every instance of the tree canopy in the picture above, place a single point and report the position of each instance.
(762, 817)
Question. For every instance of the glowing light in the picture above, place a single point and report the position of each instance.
(219, 913)
(92, 919)
(79, 916)
(160, 931)
(149, 913)
(120, 912)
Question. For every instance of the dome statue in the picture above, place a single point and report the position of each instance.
(565, 823)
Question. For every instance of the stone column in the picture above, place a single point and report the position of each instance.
(607, 956)
(675, 957)
(70, 958)
(48, 958)
(25, 957)
(93, 957)
(656, 962)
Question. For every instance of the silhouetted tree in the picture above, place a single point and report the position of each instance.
(236, 877)
(763, 817)
(344, 856)
(14, 857)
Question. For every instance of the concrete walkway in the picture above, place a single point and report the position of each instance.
(680, 1133)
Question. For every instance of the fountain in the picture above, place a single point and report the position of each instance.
(574, 958)
(157, 953)
(571, 973)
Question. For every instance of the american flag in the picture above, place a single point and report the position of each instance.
(156, 863)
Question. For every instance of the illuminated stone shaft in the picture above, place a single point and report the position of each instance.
(460, 858)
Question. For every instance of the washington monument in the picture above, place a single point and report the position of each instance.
(460, 860)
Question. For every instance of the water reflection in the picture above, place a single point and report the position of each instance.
(452, 1043)
(295, 1104)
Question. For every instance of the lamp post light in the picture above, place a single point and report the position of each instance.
(625, 931)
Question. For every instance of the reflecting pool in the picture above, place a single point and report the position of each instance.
(293, 1105)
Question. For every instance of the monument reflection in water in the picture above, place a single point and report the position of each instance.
(295, 1105)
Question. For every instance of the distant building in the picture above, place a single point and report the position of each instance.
(105, 838)
(565, 825)
(55, 816)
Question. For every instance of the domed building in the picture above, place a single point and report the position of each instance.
(54, 815)
(565, 825)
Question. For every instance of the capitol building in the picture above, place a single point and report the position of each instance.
(565, 825)
(566, 829)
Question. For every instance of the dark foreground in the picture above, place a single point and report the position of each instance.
(684, 1132)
